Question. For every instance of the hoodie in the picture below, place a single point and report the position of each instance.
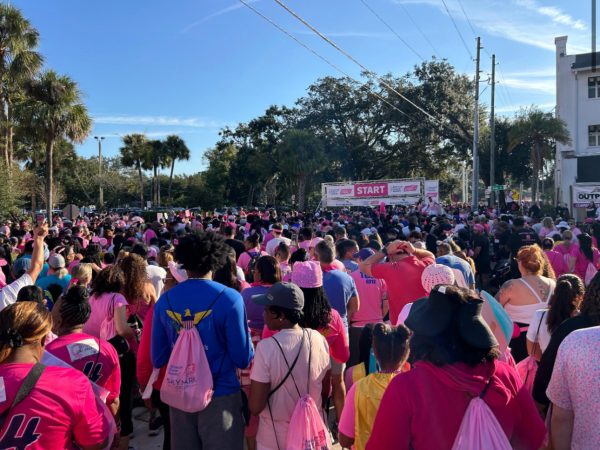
(422, 409)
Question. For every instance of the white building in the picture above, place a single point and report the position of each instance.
(578, 105)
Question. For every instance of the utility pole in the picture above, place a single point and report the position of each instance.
(475, 195)
(492, 136)
(100, 190)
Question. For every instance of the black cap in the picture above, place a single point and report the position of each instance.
(282, 294)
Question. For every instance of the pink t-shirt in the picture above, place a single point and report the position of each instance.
(102, 306)
(97, 359)
(348, 419)
(370, 291)
(245, 258)
(581, 263)
(557, 261)
(574, 385)
(60, 409)
(270, 367)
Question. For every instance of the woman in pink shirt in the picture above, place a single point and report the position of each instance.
(587, 257)
(252, 244)
(568, 250)
(59, 410)
(95, 357)
(557, 261)
(456, 358)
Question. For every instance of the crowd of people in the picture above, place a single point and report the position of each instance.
(389, 323)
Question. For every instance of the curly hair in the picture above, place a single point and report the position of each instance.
(565, 300)
(317, 310)
(201, 252)
(134, 269)
(591, 301)
(109, 280)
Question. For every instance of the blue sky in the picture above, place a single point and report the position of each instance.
(189, 67)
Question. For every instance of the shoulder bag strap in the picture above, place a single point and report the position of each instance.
(290, 368)
(26, 387)
(533, 291)
(537, 333)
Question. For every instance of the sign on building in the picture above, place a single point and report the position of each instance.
(583, 195)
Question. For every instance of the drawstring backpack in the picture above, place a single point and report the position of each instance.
(307, 430)
(188, 382)
(479, 429)
(528, 367)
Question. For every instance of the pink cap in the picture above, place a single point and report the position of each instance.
(436, 274)
(307, 274)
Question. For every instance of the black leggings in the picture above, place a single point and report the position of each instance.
(518, 345)
(163, 408)
(127, 362)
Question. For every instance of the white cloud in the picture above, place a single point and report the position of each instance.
(518, 107)
(524, 21)
(547, 86)
(194, 122)
(218, 13)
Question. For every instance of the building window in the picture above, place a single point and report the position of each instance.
(594, 87)
(594, 135)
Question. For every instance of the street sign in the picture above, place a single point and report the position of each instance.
(499, 187)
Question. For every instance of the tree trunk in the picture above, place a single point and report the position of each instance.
(250, 195)
(49, 177)
(154, 190)
(139, 167)
(158, 188)
(301, 192)
(34, 170)
(171, 180)
(8, 138)
(4, 123)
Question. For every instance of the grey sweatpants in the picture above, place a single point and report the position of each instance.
(219, 426)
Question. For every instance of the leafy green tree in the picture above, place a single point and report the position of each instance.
(134, 153)
(54, 108)
(176, 150)
(539, 131)
(156, 159)
(217, 177)
(301, 154)
(19, 63)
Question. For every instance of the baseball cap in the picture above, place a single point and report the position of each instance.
(364, 253)
(56, 261)
(282, 294)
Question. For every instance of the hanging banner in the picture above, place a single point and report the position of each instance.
(380, 190)
(372, 202)
(432, 189)
(583, 195)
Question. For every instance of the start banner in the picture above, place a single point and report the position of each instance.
(373, 189)
(583, 195)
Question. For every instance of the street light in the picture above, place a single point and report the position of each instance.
(100, 191)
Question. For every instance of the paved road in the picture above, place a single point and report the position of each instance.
(141, 440)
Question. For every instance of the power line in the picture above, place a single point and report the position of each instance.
(351, 58)
(503, 84)
(419, 29)
(334, 66)
(391, 29)
(467, 17)
(457, 29)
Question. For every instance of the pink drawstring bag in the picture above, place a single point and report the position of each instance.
(307, 429)
(479, 429)
(188, 383)
(527, 369)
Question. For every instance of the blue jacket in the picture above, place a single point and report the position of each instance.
(224, 329)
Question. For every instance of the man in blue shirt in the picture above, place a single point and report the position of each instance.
(462, 270)
(219, 316)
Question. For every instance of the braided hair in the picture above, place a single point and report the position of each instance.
(75, 309)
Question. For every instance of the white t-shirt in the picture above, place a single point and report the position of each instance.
(157, 276)
(270, 367)
(544, 335)
(273, 243)
(8, 294)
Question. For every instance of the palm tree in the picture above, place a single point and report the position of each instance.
(156, 159)
(134, 153)
(54, 109)
(300, 154)
(175, 150)
(19, 63)
(540, 130)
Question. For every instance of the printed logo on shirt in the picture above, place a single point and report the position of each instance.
(17, 438)
(187, 316)
(82, 349)
(93, 371)
(2, 390)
